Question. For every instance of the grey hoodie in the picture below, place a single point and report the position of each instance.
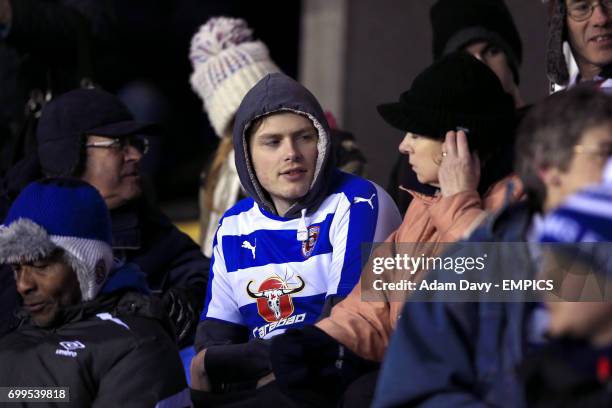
(275, 93)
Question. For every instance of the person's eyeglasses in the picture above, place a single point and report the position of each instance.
(583, 10)
(604, 150)
(138, 142)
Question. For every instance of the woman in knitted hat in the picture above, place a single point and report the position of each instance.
(227, 63)
(455, 115)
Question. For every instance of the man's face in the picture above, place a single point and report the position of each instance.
(495, 59)
(46, 286)
(587, 163)
(284, 154)
(591, 39)
(113, 171)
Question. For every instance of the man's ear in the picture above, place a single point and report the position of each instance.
(550, 176)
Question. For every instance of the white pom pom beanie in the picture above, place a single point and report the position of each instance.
(227, 63)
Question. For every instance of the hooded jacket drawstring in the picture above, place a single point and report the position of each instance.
(302, 232)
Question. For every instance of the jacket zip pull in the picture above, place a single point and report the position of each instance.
(302, 232)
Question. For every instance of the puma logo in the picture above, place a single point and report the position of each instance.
(247, 245)
(358, 200)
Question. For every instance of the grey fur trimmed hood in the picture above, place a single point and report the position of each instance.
(556, 64)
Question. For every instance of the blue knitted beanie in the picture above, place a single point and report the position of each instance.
(61, 213)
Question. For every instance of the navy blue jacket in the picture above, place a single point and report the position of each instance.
(462, 354)
(128, 358)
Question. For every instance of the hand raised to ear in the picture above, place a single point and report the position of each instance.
(459, 170)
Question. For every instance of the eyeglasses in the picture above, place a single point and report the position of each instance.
(604, 150)
(138, 142)
(583, 10)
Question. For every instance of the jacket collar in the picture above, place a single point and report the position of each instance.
(126, 227)
(427, 199)
(79, 311)
(125, 301)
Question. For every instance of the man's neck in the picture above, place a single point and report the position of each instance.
(281, 206)
(588, 72)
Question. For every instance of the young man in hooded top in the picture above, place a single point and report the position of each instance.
(284, 256)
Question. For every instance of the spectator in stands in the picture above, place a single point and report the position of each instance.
(474, 349)
(89, 134)
(574, 369)
(580, 43)
(87, 325)
(227, 63)
(285, 256)
(485, 29)
(455, 108)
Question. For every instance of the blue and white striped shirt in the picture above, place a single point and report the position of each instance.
(264, 278)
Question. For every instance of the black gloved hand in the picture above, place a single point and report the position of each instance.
(309, 358)
(183, 312)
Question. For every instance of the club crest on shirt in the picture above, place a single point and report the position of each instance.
(308, 246)
(274, 297)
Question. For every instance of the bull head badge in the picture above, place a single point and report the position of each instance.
(273, 298)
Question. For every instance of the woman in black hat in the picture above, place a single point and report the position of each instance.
(456, 116)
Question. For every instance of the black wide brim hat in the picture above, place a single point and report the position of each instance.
(456, 92)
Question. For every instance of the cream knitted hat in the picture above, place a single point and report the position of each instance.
(227, 63)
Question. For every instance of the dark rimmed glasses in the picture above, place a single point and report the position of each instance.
(582, 10)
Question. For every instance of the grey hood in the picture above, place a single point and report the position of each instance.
(276, 93)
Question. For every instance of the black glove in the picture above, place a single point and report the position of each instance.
(310, 359)
(184, 312)
(233, 363)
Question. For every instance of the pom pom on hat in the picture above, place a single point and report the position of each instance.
(216, 35)
(227, 63)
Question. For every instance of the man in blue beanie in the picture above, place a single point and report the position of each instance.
(85, 325)
(90, 135)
